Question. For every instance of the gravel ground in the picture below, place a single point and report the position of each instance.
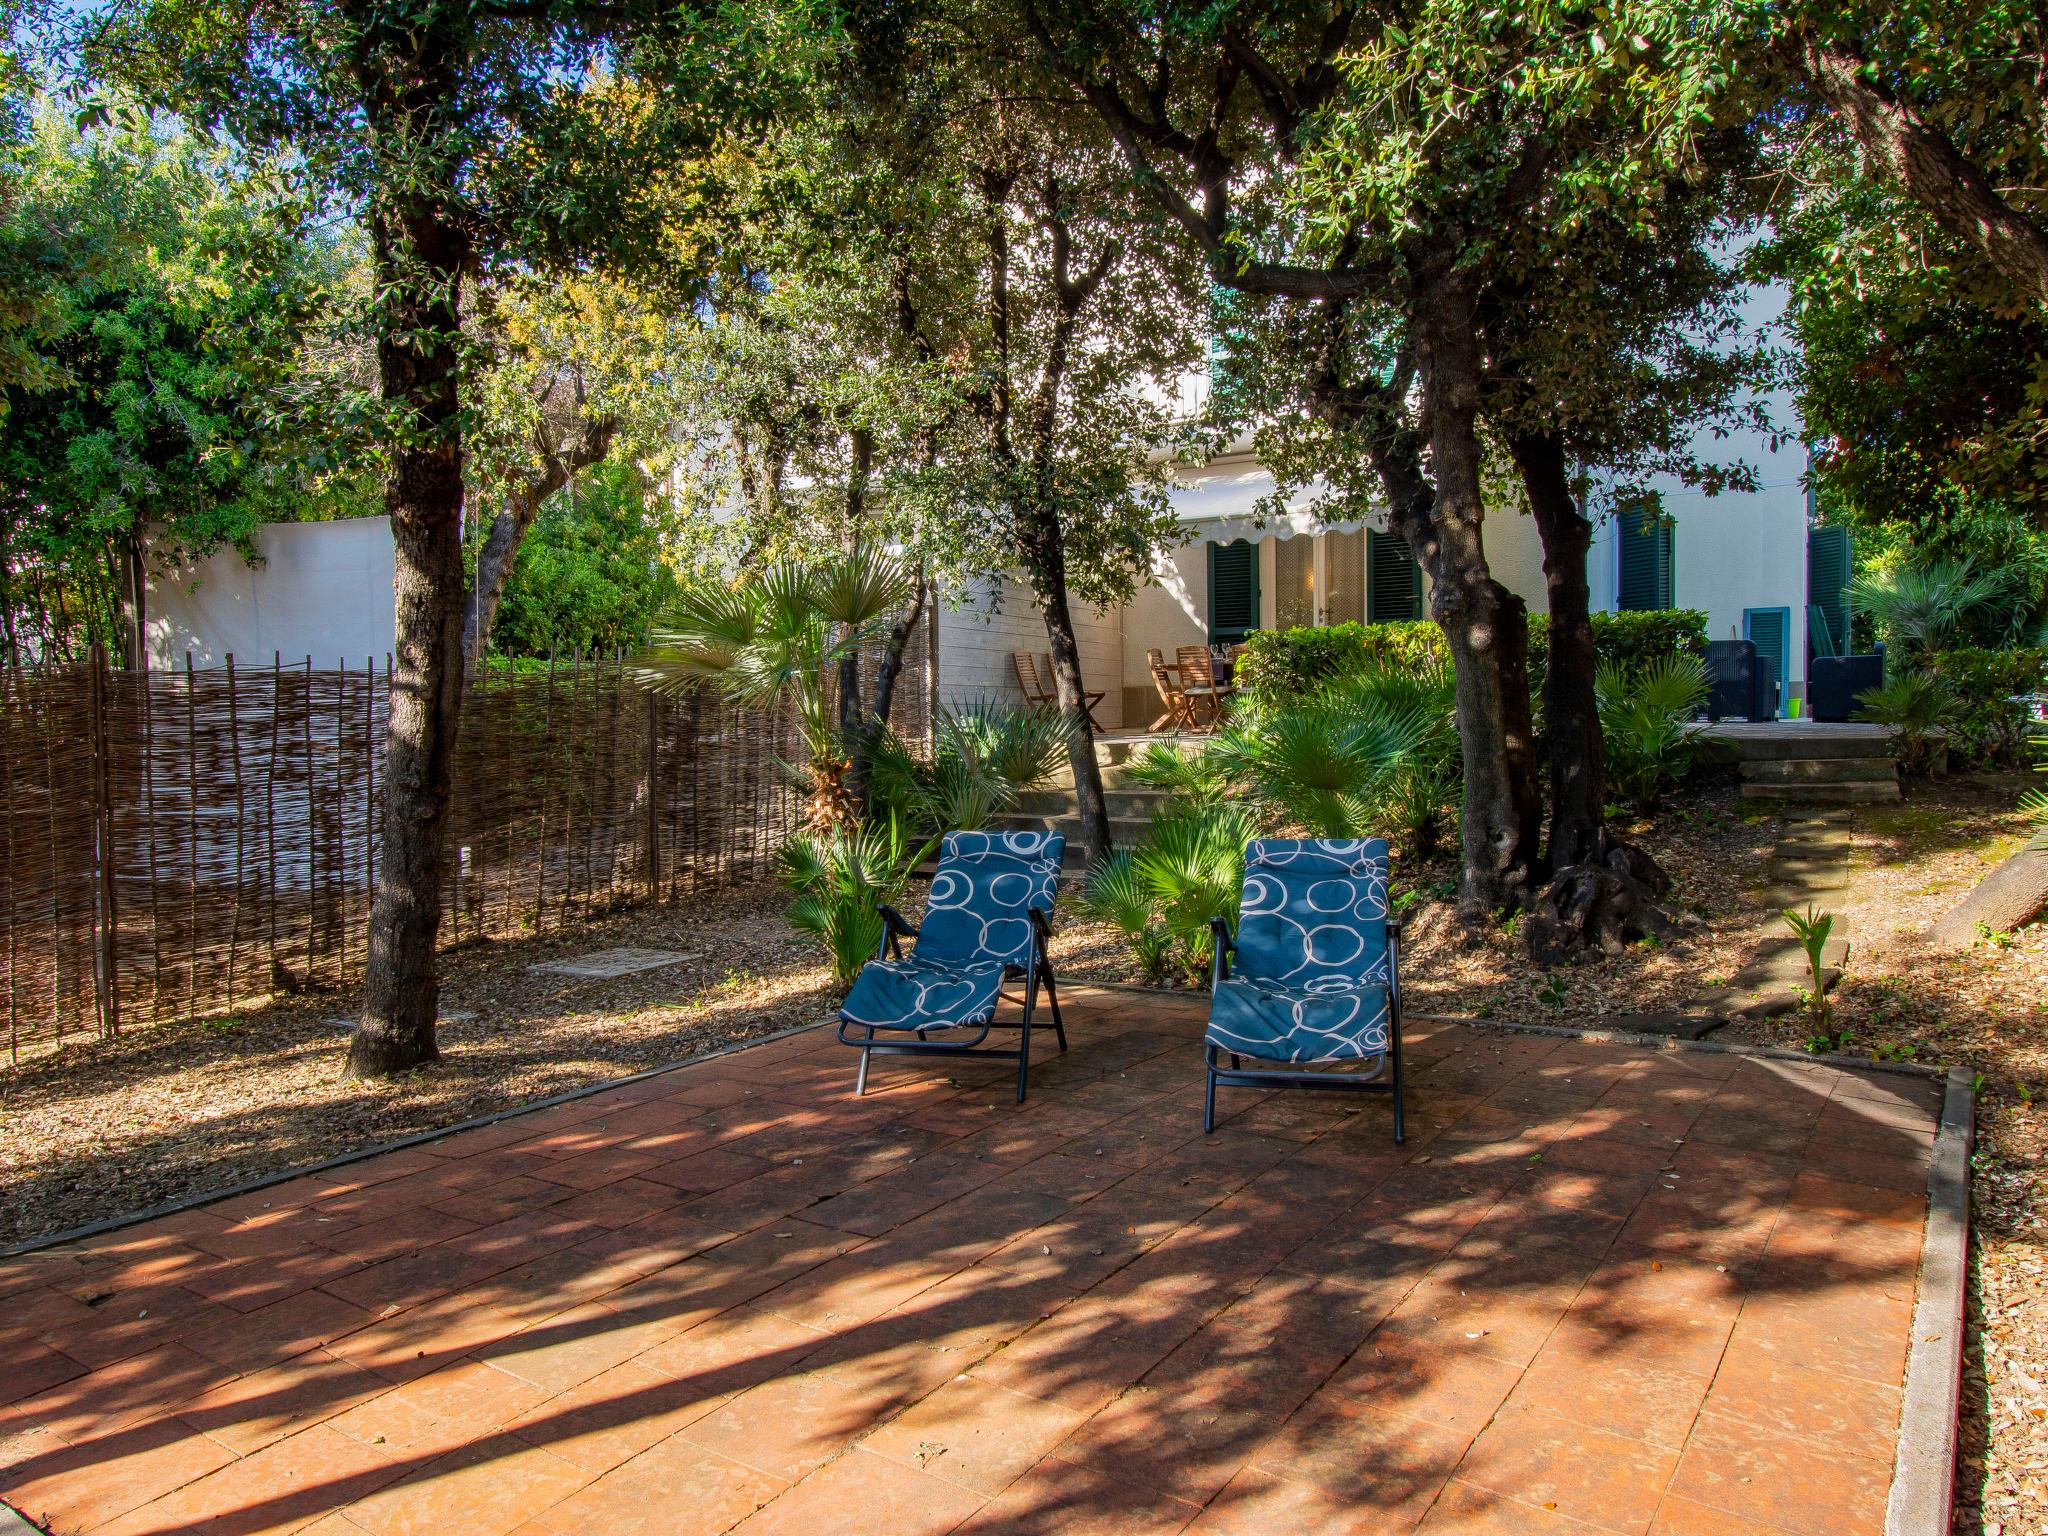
(95, 1130)
(100, 1129)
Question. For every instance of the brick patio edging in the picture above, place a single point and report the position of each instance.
(1924, 1475)
(418, 1138)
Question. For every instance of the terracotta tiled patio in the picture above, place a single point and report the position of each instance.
(1601, 1289)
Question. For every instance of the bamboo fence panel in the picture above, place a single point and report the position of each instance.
(185, 842)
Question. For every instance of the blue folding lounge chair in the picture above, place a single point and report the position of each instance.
(1317, 972)
(987, 921)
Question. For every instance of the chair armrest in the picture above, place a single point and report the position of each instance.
(1220, 949)
(895, 929)
(1041, 926)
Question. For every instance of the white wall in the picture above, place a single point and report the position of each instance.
(1741, 549)
(980, 627)
(322, 590)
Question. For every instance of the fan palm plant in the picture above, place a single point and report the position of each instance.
(842, 877)
(1327, 763)
(1920, 608)
(770, 638)
(1190, 776)
(1186, 869)
(1647, 724)
(982, 759)
(1913, 708)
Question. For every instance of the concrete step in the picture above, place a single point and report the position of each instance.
(1123, 831)
(1131, 804)
(1853, 793)
(1751, 744)
(1819, 770)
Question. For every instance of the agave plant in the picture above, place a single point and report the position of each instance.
(841, 877)
(1913, 707)
(1919, 608)
(771, 638)
(1186, 869)
(1647, 725)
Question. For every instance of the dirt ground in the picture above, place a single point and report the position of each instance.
(100, 1129)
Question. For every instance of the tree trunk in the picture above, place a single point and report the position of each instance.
(2005, 900)
(495, 561)
(1571, 714)
(1485, 625)
(421, 256)
(1045, 554)
(890, 667)
(1924, 164)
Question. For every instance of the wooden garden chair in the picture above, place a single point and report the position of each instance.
(1177, 715)
(1199, 687)
(1039, 690)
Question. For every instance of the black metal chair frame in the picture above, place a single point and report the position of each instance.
(895, 929)
(1385, 1078)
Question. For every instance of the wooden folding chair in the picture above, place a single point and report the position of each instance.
(1198, 686)
(1040, 690)
(1177, 716)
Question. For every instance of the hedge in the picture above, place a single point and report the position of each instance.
(1987, 726)
(1278, 663)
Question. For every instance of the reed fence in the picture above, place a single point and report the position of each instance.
(178, 843)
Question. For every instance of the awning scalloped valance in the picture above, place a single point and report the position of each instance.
(1222, 501)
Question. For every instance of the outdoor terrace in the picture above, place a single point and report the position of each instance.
(1602, 1288)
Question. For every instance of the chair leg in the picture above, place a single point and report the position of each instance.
(1209, 1094)
(860, 1079)
(1024, 1030)
(1052, 998)
(1400, 1131)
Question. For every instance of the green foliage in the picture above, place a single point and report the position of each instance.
(1916, 710)
(1989, 691)
(1279, 664)
(590, 575)
(1812, 928)
(1631, 641)
(1647, 724)
(1187, 868)
(840, 878)
(1923, 606)
(982, 758)
(159, 393)
(771, 636)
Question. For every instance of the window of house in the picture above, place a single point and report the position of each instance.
(1646, 549)
(1233, 590)
(1830, 555)
(1394, 579)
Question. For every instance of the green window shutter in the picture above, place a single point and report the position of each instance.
(1830, 553)
(1233, 590)
(1647, 573)
(1393, 580)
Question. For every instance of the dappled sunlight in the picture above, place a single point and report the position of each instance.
(1595, 1278)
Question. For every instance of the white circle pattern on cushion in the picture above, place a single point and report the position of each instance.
(987, 885)
(1305, 988)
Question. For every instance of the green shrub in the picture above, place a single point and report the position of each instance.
(1631, 641)
(1985, 725)
(1285, 663)
(1646, 723)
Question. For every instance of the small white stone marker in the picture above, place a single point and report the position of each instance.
(606, 963)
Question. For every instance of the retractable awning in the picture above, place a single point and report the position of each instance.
(1223, 500)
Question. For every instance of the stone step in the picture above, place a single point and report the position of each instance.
(1054, 800)
(1819, 770)
(1124, 831)
(1789, 740)
(1854, 793)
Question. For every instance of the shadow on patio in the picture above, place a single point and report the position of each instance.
(1600, 1287)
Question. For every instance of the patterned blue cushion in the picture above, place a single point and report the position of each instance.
(1256, 1018)
(1311, 975)
(982, 896)
(923, 993)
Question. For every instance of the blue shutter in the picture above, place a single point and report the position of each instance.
(1770, 631)
(1647, 574)
(1393, 579)
(1233, 590)
(1830, 554)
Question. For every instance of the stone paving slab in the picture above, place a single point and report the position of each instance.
(1602, 1288)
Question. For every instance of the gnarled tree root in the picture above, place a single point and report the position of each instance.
(1603, 904)
(2013, 894)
